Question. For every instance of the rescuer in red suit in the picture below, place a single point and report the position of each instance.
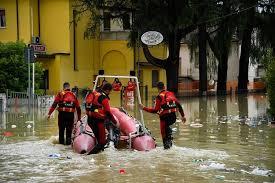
(66, 103)
(98, 110)
(166, 105)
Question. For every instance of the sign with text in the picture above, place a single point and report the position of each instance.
(151, 38)
(39, 48)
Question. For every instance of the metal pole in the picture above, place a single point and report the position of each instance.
(33, 70)
(29, 80)
(125, 77)
(32, 63)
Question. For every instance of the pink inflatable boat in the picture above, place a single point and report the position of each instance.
(83, 139)
(135, 135)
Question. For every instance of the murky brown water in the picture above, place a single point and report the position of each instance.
(225, 139)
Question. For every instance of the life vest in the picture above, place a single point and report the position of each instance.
(116, 85)
(67, 101)
(92, 105)
(168, 103)
(131, 86)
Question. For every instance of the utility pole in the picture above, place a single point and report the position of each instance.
(29, 58)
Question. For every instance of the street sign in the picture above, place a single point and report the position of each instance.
(29, 54)
(151, 38)
(39, 48)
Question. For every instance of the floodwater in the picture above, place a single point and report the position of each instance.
(224, 139)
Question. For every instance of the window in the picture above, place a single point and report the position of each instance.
(126, 22)
(155, 78)
(2, 18)
(46, 79)
(107, 21)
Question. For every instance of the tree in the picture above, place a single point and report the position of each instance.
(221, 42)
(260, 18)
(14, 70)
(173, 18)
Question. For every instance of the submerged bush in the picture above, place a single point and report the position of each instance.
(14, 70)
(270, 78)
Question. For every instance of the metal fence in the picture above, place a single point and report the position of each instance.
(20, 98)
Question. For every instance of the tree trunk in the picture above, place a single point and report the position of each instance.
(202, 59)
(245, 51)
(244, 61)
(172, 71)
(222, 72)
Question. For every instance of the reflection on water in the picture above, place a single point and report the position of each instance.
(224, 139)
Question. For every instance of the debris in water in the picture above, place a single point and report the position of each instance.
(262, 172)
(197, 160)
(178, 120)
(13, 126)
(29, 126)
(54, 155)
(221, 177)
(122, 171)
(196, 125)
(7, 134)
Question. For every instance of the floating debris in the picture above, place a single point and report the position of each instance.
(13, 126)
(196, 125)
(178, 120)
(7, 134)
(174, 129)
(221, 177)
(122, 171)
(29, 126)
(54, 155)
(262, 172)
(213, 166)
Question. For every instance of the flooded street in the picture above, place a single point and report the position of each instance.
(225, 138)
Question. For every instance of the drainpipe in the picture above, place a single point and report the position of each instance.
(17, 21)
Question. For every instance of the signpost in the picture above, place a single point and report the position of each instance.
(29, 58)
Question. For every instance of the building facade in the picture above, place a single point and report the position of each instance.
(64, 52)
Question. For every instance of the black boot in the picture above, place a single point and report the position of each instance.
(96, 149)
(167, 143)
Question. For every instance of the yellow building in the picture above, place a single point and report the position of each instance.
(68, 56)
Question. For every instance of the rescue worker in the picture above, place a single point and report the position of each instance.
(116, 85)
(166, 105)
(67, 103)
(98, 111)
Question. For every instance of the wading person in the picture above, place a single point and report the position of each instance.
(98, 110)
(66, 103)
(166, 105)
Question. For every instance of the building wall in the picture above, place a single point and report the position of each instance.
(55, 25)
(189, 66)
(69, 57)
(9, 33)
(115, 57)
(24, 20)
(158, 51)
(53, 65)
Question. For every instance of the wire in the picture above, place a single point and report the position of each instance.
(230, 14)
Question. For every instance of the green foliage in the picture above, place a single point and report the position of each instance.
(14, 70)
(269, 61)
